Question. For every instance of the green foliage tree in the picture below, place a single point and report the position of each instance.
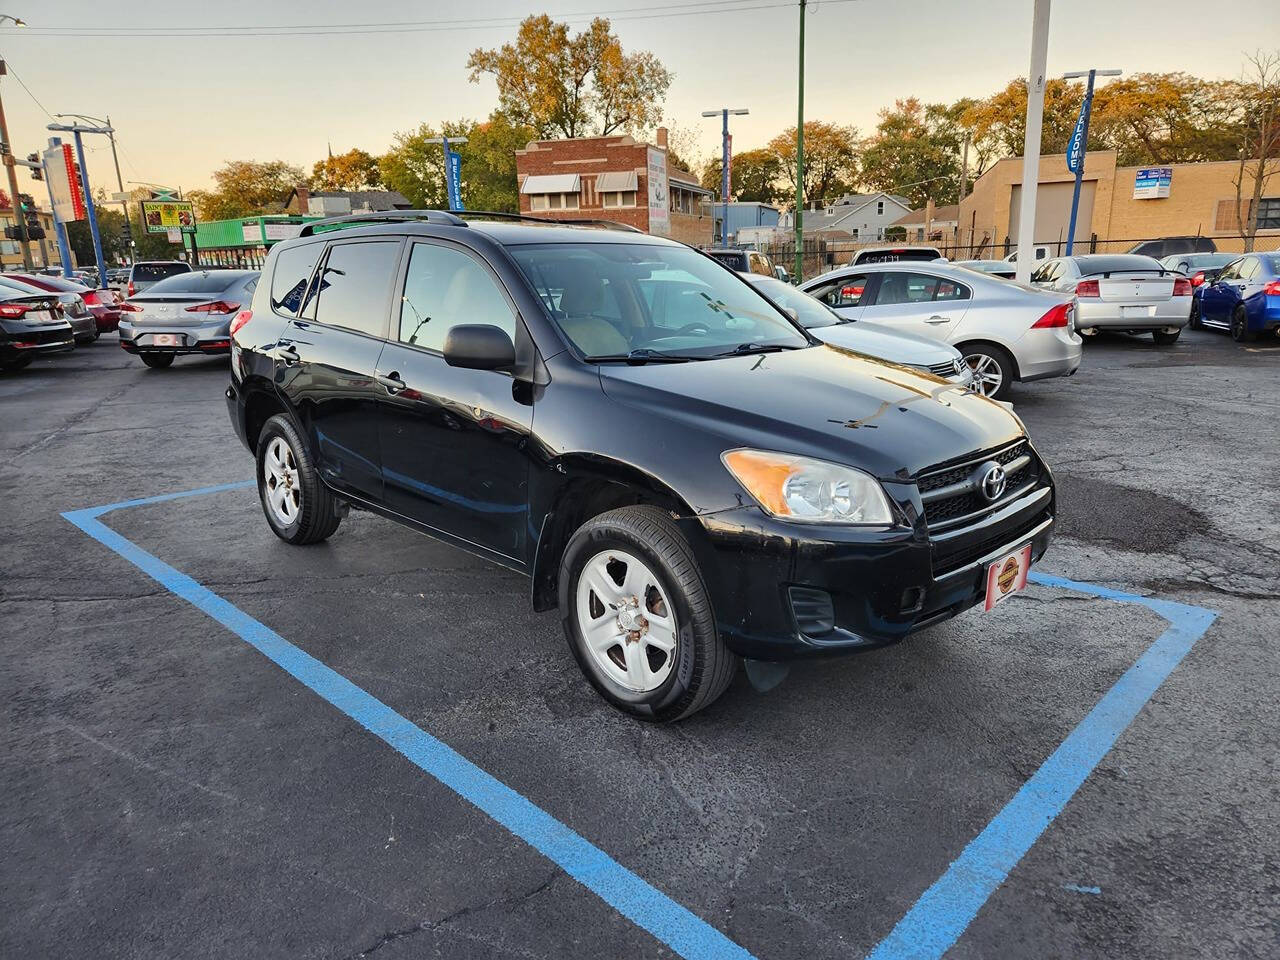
(830, 160)
(915, 152)
(756, 176)
(246, 188)
(576, 85)
(354, 170)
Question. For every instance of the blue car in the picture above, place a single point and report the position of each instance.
(1244, 298)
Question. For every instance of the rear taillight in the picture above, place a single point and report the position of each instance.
(1272, 289)
(90, 298)
(131, 291)
(1182, 287)
(243, 317)
(130, 307)
(1087, 288)
(1198, 279)
(218, 306)
(1059, 316)
(12, 311)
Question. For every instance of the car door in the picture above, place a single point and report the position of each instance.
(327, 355)
(848, 293)
(454, 441)
(1218, 298)
(915, 301)
(1249, 286)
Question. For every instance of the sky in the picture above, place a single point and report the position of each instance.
(182, 106)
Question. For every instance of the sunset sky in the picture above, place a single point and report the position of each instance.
(182, 105)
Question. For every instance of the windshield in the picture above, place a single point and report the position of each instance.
(811, 312)
(614, 300)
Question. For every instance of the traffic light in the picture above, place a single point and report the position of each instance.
(37, 173)
(30, 217)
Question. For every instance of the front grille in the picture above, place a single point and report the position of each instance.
(961, 504)
(947, 369)
(951, 556)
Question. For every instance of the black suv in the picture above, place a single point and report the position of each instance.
(679, 467)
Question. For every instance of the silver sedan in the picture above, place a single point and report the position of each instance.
(186, 313)
(1006, 331)
(1125, 293)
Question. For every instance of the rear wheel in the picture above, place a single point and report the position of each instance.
(1240, 332)
(299, 508)
(638, 616)
(992, 369)
(1164, 339)
(1194, 320)
(157, 361)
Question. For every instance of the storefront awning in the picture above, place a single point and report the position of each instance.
(552, 183)
(615, 181)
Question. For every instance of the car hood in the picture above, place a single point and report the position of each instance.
(826, 402)
(886, 343)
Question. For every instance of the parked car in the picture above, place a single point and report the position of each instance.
(992, 268)
(743, 261)
(1041, 251)
(1198, 267)
(104, 304)
(147, 272)
(1168, 246)
(1121, 293)
(31, 324)
(185, 313)
(69, 306)
(688, 480)
(895, 255)
(874, 340)
(1007, 332)
(118, 279)
(1243, 298)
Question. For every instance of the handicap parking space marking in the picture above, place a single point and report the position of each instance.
(932, 925)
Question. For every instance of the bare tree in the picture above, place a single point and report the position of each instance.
(1259, 157)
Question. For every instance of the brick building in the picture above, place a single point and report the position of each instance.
(614, 178)
(44, 253)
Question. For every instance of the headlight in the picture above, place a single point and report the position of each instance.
(809, 491)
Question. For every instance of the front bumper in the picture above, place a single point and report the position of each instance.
(212, 339)
(1171, 314)
(767, 577)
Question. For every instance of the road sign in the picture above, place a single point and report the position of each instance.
(121, 197)
(64, 184)
(159, 216)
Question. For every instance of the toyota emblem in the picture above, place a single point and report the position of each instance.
(992, 482)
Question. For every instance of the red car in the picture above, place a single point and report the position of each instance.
(103, 304)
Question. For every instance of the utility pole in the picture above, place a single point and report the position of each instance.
(726, 159)
(1031, 142)
(13, 182)
(800, 157)
(1079, 144)
(452, 177)
(964, 182)
(110, 131)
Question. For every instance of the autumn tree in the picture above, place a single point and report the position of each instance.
(576, 85)
(415, 167)
(999, 122)
(1164, 118)
(246, 187)
(915, 152)
(830, 160)
(1259, 143)
(353, 170)
(755, 176)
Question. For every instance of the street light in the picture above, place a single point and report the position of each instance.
(723, 113)
(453, 191)
(1079, 143)
(111, 134)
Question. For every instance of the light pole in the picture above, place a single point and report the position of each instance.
(452, 170)
(75, 129)
(1079, 143)
(111, 135)
(1031, 139)
(725, 160)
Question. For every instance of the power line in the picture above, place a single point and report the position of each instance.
(13, 73)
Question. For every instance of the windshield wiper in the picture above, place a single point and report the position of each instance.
(752, 347)
(640, 356)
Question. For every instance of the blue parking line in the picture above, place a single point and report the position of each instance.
(926, 932)
(644, 905)
(947, 908)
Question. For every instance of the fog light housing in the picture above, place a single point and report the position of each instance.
(812, 610)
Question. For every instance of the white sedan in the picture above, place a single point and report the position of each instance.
(1006, 331)
(1121, 292)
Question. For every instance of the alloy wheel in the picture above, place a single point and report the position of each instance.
(627, 621)
(988, 376)
(283, 485)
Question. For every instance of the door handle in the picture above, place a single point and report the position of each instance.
(391, 381)
(286, 353)
(938, 318)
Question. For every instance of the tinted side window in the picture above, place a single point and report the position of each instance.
(443, 288)
(950, 290)
(289, 282)
(354, 289)
(846, 291)
(902, 287)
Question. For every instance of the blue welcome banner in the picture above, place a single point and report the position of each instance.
(1075, 149)
(455, 181)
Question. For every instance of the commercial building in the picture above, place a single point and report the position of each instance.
(1118, 205)
(614, 178)
(243, 242)
(44, 253)
(748, 216)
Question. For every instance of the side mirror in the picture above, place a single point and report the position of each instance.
(479, 346)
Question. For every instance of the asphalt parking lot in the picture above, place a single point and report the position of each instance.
(168, 791)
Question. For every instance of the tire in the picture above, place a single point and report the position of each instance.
(305, 512)
(1240, 331)
(993, 364)
(157, 361)
(16, 363)
(1193, 321)
(1163, 339)
(640, 544)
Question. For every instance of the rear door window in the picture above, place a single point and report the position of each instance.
(353, 289)
(289, 281)
(847, 291)
(902, 287)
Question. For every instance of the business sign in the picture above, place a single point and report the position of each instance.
(280, 231)
(251, 230)
(1152, 183)
(159, 216)
(728, 166)
(63, 175)
(659, 206)
(1076, 147)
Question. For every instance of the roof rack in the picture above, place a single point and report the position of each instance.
(385, 216)
(524, 218)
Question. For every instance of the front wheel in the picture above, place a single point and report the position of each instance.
(157, 361)
(638, 616)
(1164, 339)
(299, 508)
(1240, 331)
(992, 369)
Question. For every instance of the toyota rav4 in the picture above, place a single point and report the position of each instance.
(685, 473)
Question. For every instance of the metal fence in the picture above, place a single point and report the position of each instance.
(824, 253)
